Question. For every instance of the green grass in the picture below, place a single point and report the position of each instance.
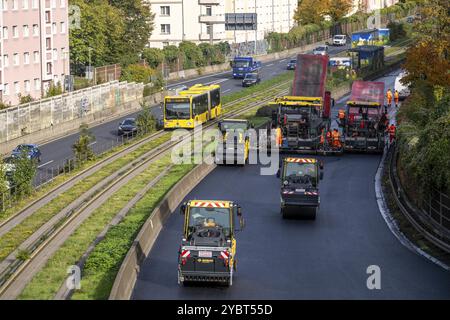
(103, 264)
(47, 282)
(12, 239)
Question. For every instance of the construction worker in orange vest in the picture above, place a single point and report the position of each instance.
(391, 131)
(329, 138)
(279, 136)
(396, 97)
(389, 97)
(336, 139)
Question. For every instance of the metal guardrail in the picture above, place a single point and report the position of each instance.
(433, 222)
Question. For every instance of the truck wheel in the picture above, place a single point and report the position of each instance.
(234, 265)
(314, 214)
(283, 213)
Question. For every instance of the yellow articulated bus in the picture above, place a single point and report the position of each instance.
(192, 107)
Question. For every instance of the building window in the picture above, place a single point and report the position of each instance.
(49, 68)
(208, 29)
(26, 31)
(15, 4)
(165, 11)
(36, 56)
(25, 4)
(62, 3)
(48, 43)
(26, 58)
(5, 60)
(35, 30)
(53, 4)
(15, 32)
(16, 87)
(16, 59)
(47, 17)
(27, 86)
(5, 32)
(6, 89)
(34, 4)
(165, 29)
(208, 10)
(54, 30)
(5, 5)
(165, 44)
(37, 84)
(55, 54)
(63, 27)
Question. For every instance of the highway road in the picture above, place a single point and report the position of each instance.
(297, 259)
(56, 152)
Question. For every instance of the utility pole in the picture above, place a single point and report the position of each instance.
(256, 27)
(90, 67)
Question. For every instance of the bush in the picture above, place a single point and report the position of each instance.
(396, 31)
(153, 56)
(54, 90)
(171, 53)
(193, 55)
(25, 99)
(138, 73)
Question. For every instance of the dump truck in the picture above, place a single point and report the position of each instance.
(299, 119)
(365, 118)
(243, 65)
(234, 145)
(208, 248)
(300, 186)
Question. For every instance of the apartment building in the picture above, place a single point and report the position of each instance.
(34, 47)
(219, 20)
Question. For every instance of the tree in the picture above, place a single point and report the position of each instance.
(4, 185)
(82, 147)
(54, 90)
(310, 11)
(337, 9)
(153, 56)
(137, 73)
(138, 27)
(23, 173)
(25, 99)
(145, 121)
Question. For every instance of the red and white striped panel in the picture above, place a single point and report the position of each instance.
(209, 204)
(224, 255)
(185, 254)
(301, 160)
(288, 192)
(311, 193)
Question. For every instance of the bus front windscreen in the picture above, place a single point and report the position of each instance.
(177, 109)
(241, 64)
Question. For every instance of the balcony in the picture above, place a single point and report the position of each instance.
(205, 36)
(211, 19)
(210, 2)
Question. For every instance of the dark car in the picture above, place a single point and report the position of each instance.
(31, 150)
(127, 127)
(251, 79)
(292, 64)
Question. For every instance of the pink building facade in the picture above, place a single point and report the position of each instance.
(34, 47)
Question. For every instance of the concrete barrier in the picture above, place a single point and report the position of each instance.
(129, 270)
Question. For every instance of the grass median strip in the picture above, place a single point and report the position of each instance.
(47, 282)
(12, 239)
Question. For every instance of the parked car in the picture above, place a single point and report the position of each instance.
(251, 79)
(321, 50)
(31, 150)
(127, 127)
(340, 40)
(292, 64)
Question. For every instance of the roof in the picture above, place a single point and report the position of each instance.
(235, 120)
(196, 89)
(210, 204)
(300, 160)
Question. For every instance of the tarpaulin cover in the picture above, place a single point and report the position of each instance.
(368, 91)
(310, 76)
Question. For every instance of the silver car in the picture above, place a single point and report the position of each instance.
(321, 50)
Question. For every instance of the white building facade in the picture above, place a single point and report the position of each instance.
(209, 20)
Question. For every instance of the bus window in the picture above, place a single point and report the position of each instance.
(215, 98)
(177, 109)
(200, 104)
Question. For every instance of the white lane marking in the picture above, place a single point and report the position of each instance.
(92, 143)
(282, 60)
(195, 79)
(216, 81)
(226, 90)
(44, 164)
(269, 65)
